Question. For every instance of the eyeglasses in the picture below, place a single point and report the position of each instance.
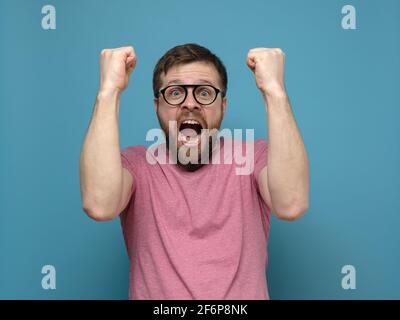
(203, 94)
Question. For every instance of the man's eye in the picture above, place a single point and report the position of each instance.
(175, 93)
(204, 93)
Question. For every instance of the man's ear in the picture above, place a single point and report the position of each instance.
(224, 102)
(155, 102)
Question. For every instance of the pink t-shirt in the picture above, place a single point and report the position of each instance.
(196, 235)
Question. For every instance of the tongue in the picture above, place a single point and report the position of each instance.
(188, 133)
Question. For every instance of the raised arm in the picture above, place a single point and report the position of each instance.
(284, 182)
(105, 185)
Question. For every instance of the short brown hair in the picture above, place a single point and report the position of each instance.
(184, 54)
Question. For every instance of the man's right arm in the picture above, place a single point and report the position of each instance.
(105, 185)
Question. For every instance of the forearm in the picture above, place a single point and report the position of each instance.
(100, 161)
(288, 171)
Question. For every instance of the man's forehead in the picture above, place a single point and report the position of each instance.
(180, 81)
(198, 71)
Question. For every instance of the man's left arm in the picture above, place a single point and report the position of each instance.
(284, 181)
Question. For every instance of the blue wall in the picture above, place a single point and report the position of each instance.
(344, 89)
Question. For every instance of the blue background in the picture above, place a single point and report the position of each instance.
(344, 90)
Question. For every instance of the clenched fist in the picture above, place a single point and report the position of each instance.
(116, 65)
(267, 65)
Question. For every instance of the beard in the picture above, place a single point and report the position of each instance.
(190, 146)
(197, 157)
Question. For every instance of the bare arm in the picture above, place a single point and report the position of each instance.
(105, 185)
(285, 178)
(284, 182)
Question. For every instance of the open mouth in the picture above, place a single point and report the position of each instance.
(190, 132)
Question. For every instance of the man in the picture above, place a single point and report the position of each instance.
(194, 230)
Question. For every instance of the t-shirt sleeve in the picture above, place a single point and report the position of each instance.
(126, 161)
(260, 156)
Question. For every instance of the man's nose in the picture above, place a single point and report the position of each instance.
(190, 102)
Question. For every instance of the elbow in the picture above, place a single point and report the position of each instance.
(98, 213)
(99, 206)
(292, 212)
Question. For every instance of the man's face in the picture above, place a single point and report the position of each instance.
(190, 115)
